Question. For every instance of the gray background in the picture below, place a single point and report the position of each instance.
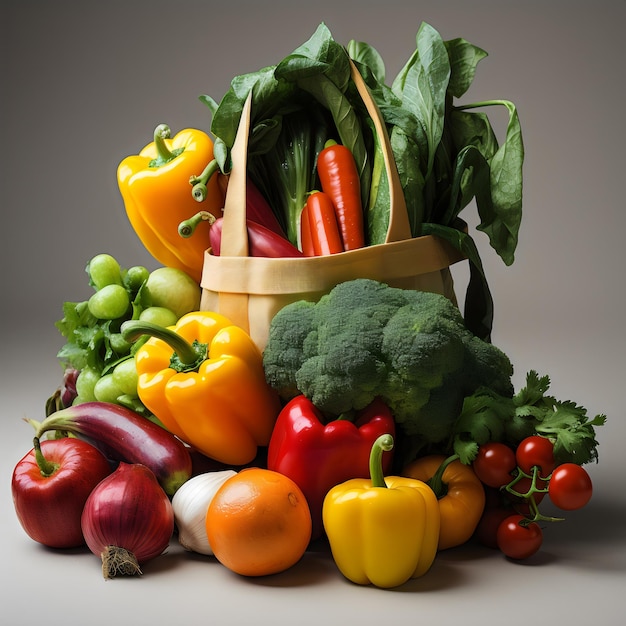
(84, 83)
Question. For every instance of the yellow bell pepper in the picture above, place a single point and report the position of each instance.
(156, 189)
(383, 530)
(203, 379)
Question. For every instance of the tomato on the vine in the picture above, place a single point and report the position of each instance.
(523, 488)
(494, 463)
(535, 451)
(570, 487)
(487, 528)
(518, 538)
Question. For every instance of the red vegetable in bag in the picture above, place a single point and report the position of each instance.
(318, 226)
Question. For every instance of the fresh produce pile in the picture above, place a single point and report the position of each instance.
(377, 420)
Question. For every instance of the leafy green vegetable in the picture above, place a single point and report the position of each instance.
(446, 153)
(489, 416)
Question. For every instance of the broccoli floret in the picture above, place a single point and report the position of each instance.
(287, 339)
(486, 362)
(365, 339)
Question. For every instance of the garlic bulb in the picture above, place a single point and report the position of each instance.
(190, 504)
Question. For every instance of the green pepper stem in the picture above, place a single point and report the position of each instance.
(47, 468)
(188, 227)
(186, 357)
(435, 482)
(199, 183)
(164, 154)
(383, 444)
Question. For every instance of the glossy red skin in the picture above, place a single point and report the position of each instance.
(494, 463)
(257, 208)
(570, 487)
(318, 456)
(123, 435)
(487, 528)
(49, 508)
(262, 242)
(517, 541)
(535, 451)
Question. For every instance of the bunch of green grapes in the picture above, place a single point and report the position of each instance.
(102, 360)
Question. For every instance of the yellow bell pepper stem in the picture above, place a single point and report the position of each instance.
(188, 227)
(199, 183)
(164, 154)
(384, 443)
(187, 357)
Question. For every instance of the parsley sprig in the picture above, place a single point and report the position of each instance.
(487, 416)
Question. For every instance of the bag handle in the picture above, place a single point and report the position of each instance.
(234, 240)
(399, 227)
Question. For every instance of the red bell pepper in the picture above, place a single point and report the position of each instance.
(318, 455)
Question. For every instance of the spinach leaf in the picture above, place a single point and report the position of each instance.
(422, 84)
(501, 219)
(365, 55)
(464, 57)
(478, 309)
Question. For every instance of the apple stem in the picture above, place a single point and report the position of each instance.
(47, 468)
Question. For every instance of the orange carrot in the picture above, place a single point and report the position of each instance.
(318, 216)
(339, 178)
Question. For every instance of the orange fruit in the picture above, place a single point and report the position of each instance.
(258, 523)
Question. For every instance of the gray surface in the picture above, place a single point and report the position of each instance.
(83, 85)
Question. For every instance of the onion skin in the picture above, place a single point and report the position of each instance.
(49, 507)
(127, 520)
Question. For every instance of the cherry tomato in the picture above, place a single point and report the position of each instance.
(494, 463)
(570, 487)
(519, 540)
(487, 528)
(535, 451)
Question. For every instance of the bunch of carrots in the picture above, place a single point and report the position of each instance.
(332, 219)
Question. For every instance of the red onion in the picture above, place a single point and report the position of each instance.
(127, 520)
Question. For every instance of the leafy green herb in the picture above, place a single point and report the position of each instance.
(487, 416)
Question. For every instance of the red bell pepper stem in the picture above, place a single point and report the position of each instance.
(384, 443)
(164, 154)
(46, 467)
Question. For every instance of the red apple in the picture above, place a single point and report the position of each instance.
(50, 485)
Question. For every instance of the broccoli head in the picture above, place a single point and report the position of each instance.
(365, 339)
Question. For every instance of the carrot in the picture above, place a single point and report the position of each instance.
(306, 240)
(339, 178)
(318, 226)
